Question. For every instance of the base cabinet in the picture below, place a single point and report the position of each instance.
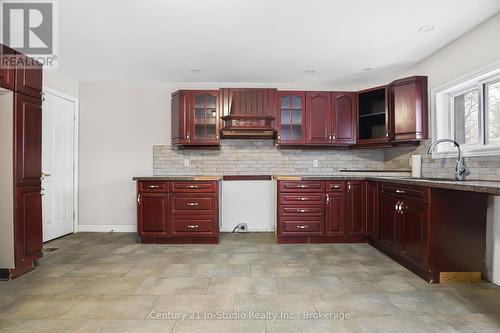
(177, 211)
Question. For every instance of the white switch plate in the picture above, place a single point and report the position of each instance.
(186, 163)
(315, 163)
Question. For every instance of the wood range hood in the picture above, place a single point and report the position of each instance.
(248, 113)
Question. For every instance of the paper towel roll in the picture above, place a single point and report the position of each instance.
(416, 166)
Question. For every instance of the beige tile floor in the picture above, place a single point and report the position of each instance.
(109, 283)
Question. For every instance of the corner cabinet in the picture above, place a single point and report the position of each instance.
(177, 211)
(408, 109)
(195, 119)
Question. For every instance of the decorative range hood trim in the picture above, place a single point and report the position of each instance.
(248, 127)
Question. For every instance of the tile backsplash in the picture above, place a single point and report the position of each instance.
(253, 157)
(481, 168)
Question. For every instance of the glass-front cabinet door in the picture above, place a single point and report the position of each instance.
(204, 117)
(291, 117)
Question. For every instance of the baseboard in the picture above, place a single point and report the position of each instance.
(106, 228)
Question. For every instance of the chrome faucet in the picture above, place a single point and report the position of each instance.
(460, 170)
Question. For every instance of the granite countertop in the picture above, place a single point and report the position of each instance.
(481, 186)
(179, 178)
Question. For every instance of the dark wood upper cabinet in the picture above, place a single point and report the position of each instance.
(318, 118)
(195, 118)
(408, 108)
(291, 117)
(7, 72)
(28, 224)
(344, 124)
(373, 118)
(356, 209)
(27, 140)
(29, 77)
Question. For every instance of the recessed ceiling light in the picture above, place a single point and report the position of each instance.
(425, 28)
(310, 71)
(195, 70)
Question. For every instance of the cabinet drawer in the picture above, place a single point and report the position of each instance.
(194, 187)
(335, 186)
(152, 186)
(193, 225)
(406, 191)
(301, 186)
(302, 199)
(190, 203)
(298, 211)
(301, 227)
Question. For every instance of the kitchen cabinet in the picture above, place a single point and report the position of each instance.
(356, 210)
(21, 153)
(389, 217)
(372, 210)
(177, 211)
(153, 214)
(373, 117)
(29, 77)
(27, 140)
(344, 124)
(195, 119)
(335, 214)
(414, 218)
(291, 118)
(408, 108)
(7, 72)
(318, 118)
(28, 224)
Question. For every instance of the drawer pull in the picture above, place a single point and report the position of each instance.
(302, 199)
(302, 227)
(400, 191)
(335, 186)
(302, 186)
(192, 204)
(193, 186)
(154, 186)
(302, 210)
(192, 226)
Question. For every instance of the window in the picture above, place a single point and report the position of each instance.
(468, 111)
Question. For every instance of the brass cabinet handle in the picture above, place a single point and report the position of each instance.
(302, 227)
(302, 186)
(335, 186)
(154, 186)
(192, 226)
(327, 199)
(193, 186)
(192, 204)
(302, 210)
(42, 191)
(139, 199)
(397, 206)
(302, 199)
(400, 191)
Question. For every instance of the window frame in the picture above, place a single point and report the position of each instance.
(443, 113)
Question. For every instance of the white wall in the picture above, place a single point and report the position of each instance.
(472, 51)
(60, 82)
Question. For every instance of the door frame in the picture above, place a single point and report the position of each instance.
(76, 101)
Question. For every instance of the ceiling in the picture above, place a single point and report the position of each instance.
(256, 40)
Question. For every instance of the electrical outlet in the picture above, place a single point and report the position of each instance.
(186, 163)
(241, 227)
(315, 163)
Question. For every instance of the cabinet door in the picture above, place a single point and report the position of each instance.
(388, 219)
(152, 214)
(204, 118)
(408, 108)
(318, 117)
(7, 71)
(180, 126)
(356, 209)
(28, 223)
(29, 77)
(372, 208)
(291, 114)
(335, 214)
(344, 118)
(27, 140)
(414, 232)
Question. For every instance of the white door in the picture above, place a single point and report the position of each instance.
(58, 137)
